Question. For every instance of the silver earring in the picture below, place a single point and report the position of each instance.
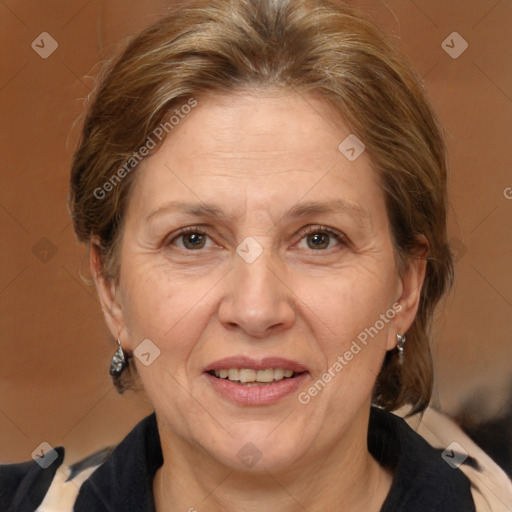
(118, 363)
(400, 344)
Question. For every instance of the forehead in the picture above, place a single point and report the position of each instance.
(263, 124)
(261, 147)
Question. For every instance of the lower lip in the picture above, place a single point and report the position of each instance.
(265, 394)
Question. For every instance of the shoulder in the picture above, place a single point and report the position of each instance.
(491, 489)
(48, 486)
(422, 480)
(113, 478)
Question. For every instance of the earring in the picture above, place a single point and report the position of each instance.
(400, 344)
(118, 363)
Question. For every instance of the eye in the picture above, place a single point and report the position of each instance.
(321, 238)
(315, 237)
(191, 238)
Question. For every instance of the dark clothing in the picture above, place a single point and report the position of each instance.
(422, 482)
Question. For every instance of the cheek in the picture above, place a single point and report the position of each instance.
(351, 318)
(170, 310)
(343, 306)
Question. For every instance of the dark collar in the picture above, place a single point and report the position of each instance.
(423, 481)
(125, 480)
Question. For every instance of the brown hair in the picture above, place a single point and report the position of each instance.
(301, 46)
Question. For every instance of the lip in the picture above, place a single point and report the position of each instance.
(256, 364)
(265, 394)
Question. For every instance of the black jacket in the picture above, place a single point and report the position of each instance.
(423, 481)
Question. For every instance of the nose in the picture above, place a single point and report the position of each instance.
(258, 301)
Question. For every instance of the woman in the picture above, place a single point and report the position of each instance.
(262, 187)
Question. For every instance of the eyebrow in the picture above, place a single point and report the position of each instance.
(299, 210)
(332, 206)
(197, 209)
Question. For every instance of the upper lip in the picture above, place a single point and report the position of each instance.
(256, 364)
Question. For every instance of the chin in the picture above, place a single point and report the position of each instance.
(258, 450)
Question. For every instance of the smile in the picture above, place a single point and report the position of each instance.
(251, 377)
(251, 382)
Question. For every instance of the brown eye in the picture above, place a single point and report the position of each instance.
(318, 241)
(319, 238)
(193, 240)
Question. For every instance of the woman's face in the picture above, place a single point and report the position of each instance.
(287, 265)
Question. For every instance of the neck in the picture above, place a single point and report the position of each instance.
(344, 476)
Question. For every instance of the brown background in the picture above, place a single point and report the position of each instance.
(54, 347)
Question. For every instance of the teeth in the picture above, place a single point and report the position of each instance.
(278, 374)
(246, 375)
(251, 377)
(265, 375)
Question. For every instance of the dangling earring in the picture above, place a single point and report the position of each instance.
(118, 363)
(400, 344)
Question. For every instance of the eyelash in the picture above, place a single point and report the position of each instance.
(340, 238)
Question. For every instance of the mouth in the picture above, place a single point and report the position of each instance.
(249, 377)
(247, 381)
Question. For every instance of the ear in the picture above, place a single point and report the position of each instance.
(107, 292)
(410, 286)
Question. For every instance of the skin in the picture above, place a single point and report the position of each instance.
(256, 155)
